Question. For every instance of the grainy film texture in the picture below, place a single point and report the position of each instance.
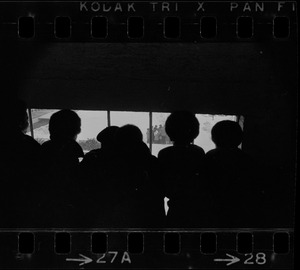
(157, 134)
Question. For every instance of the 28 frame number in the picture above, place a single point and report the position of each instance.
(259, 258)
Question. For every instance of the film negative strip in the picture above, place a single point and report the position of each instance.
(212, 249)
(197, 104)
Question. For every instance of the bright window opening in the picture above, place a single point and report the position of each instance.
(160, 139)
(40, 124)
(92, 122)
(139, 119)
(206, 122)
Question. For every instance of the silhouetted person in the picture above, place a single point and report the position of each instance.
(134, 176)
(155, 134)
(96, 189)
(97, 157)
(62, 150)
(19, 169)
(160, 134)
(234, 179)
(182, 164)
(148, 135)
(61, 158)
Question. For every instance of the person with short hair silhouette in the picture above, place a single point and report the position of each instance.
(234, 179)
(19, 169)
(107, 136)
(62, 148)
(61, 157)
(182, 166)
(134, 174)
(226, 134)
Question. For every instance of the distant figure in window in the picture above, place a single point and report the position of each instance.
(19, 169)
(160, 134)
(138, 197)
(148, 135)
(182, 166)
(155, 134)
(234, 179)
(61, 157)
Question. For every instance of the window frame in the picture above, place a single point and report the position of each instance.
(239, 119)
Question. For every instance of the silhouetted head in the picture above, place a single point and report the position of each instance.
(106, 136)
(18, 118)
(227, 134)
(128, 134)
(182, 127)
(130, 148)
(64, 124)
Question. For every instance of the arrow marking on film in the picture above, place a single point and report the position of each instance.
(83, 260)
(230, 261)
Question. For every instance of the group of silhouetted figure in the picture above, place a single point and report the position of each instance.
(122, 184)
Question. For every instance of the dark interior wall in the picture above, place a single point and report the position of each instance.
(251, 79)
(17, 61)
(272, 136)
(276, 125)
(159, 77)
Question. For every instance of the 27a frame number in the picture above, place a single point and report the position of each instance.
(110, 257)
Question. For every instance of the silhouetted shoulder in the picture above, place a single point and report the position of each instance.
(211, 152)
(164, 151)
(92, 156)
(196, 149)
(47, 144)
(31, 141)
(225, 156)
(23, 150)
(230, 164)
(74, 148)
(28, 142)
(173, 151)
(69, 147)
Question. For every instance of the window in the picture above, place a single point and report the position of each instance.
(160, 139)
(92, 122)
(40, 124)
(139, 119)
(207, 121)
